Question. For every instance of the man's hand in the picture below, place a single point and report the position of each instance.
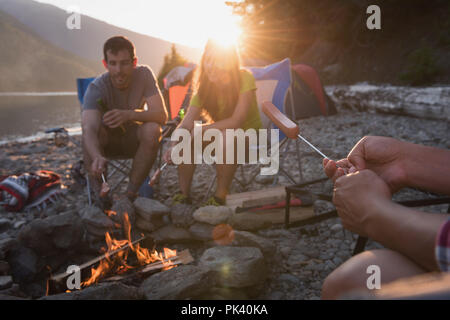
(98, 165)
(359, 197)
(115, 118)
(384, 156)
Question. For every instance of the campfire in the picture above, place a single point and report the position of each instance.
(121, 256)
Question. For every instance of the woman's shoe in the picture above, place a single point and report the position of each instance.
(180, 198)
(214, 201)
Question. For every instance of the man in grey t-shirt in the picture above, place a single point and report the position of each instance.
(123, 112)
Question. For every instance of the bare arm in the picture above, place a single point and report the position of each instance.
(363, 201)
(91, 122)
(156, 111)
(408, 231)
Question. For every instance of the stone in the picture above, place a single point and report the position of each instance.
(201, 231)
(148, 209)
(171, 234)
(95, 217)
(102, 291)
(181, 215)
(67, 230)
(7, 244)
(5, 225)
(24, 264)
(4, 268)
(248, 222)
(122, 207)
(47, 235)
(5, 282)
(213, 215)
(248, 239)
(290, 279)
(145, 225)
(237, 267)
(336, 228)
(19, 224)
(182, 282)
(297, 260)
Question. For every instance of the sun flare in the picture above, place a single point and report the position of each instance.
(226, 34)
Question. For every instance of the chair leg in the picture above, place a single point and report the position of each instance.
(88, 187)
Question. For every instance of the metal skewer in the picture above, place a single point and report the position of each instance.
(312, 146)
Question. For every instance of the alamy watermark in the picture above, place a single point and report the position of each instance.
(374, 20)
(374, 280)
(257, 147)
(74, 20)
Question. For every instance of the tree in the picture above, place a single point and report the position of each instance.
(171, 60)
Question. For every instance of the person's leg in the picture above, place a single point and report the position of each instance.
(185, 174)
(353, 274)
(149, 136)
(225, 172)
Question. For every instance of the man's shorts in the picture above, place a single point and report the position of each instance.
(122, 143)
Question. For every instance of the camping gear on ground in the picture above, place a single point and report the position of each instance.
(30, 190)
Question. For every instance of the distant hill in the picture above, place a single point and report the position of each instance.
(29, 63)
(49, 22)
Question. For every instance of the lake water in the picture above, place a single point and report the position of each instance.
(26, 115)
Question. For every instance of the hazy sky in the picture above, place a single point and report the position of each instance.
(188, 22)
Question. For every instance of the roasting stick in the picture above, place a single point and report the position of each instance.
(290, 129)
(156, 175)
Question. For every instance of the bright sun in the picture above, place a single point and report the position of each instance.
(226, 33)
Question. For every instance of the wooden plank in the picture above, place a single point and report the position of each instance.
(276, 216)
(258, 197)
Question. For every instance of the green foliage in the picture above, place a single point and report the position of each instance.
(171, 60)
(421, 67)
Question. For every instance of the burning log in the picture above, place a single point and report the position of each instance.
(89, 263)
(114, 261)
(184, 257)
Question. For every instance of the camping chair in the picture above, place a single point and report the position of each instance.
(273, 84)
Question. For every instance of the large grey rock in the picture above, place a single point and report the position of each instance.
(213, 215)
(5, 282)
(171, 234)
(237, 267)
(148, 209)
(102, 291)
(123, 207)
(67, 230)
(182, 215)
(6, 245)
(95, 217)
(248, 239)
(45, 236)
(5, 225)
(201, 231)
(24, 264)
(182, 282)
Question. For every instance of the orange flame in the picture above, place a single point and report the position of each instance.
(118, 263)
